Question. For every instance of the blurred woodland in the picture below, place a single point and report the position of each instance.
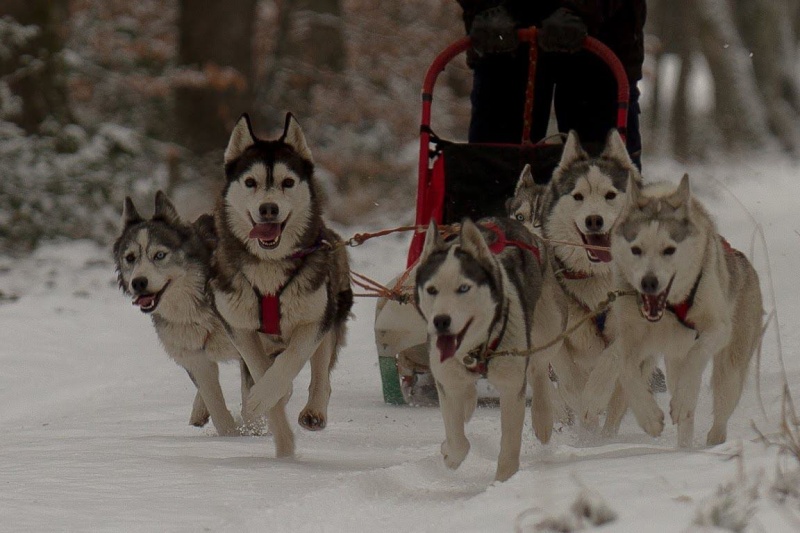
(104, 98)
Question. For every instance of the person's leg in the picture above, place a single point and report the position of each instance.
(498, 99)
(586, 101)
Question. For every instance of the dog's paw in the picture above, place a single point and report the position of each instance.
(312, 420)
(200, 419)
(650, 418)
(505, 471)
(681, 410)
(454, 455)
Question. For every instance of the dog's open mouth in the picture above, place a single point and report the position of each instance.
(268, 234)
(448, 344)
(652, 305)
(596, 255)
(149, 301)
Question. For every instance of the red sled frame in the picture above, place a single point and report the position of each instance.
(430, 186)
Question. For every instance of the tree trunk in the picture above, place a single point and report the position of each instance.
(767, 30)
(310, 45)
(215, 39)
(739, 110)
(36, 72)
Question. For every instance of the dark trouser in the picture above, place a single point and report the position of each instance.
(580, 86)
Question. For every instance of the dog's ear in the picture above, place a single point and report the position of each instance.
(525, 180)
(293, 136)
(241, 139)
(130, 215)
(472, 241)
(679, 200)
(615, 149)
(164, 210)
(573, 151)
(433, 241)
(634, 193)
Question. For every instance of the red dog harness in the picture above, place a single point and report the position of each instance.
(269, 309)
(501, 242)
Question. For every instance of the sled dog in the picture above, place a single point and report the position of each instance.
(280, 280)
(580, 205)
(164, 265)
(696, 299)
(526, 204)
(477, 294)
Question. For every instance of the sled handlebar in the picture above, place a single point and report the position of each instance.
(529, 35)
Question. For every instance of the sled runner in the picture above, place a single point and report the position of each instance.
(458, 180)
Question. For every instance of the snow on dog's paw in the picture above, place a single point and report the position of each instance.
(650, 418)
(454, 455)
(312, 420)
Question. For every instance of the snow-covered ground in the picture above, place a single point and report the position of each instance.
(96, 436)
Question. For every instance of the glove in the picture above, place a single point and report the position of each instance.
(563, 31)
(493, 32)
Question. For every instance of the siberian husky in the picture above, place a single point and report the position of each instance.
(580, 205)
(697, 299)
(280, 279)
(164, 265)
(477, 294)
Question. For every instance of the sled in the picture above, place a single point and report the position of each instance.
(453, 182)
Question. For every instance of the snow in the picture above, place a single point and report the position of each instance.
(96, 433)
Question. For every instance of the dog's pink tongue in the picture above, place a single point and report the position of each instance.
(145, 300)
(446, 344)
(265, 232)
(603, 256)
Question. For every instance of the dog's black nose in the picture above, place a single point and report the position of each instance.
(594, 223)
(139, 284)
(650, 284)
(268, 210)
(442, 323)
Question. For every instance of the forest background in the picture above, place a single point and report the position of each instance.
(105, 98)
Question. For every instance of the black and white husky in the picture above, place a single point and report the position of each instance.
(477, 294)
(164, 264)
(580, 205)
(282, 281)
(696, 300)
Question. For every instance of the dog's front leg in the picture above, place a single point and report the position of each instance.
(249, 345)
(277, 381)
(508, 375)
(454, 397)
(200, 415)
(314, 416)
(205, 375)
(683, 404)
(637, 386)
(601, 383)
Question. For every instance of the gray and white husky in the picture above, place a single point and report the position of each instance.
(477, 294)
(580, 205)
(697, 299)
(164, 265)
(281, 280)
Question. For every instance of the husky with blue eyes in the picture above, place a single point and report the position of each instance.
(164, 265)
(477, 294)
(696, 300)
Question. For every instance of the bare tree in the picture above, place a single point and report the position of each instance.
(215, 40)
(766, 27)
(35, 73)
